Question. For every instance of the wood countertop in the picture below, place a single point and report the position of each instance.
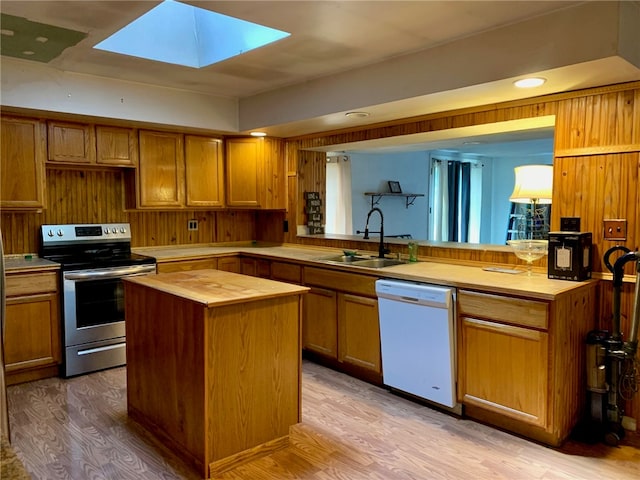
(537, 286)
(217, 288)
(27, 263)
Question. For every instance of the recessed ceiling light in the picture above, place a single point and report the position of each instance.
(529, 82)
(356, 114)
(258, 134)
(28, 52)
(42, 39)
(7, 32)
(472, 142)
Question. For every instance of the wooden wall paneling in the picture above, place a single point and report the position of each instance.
(312, 177)
(235, 225)
(270, 226)
(594, 188)
(20, 232)
(84, 196)
(275, 172)
(292, 208)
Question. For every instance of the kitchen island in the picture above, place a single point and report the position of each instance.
(214, 363)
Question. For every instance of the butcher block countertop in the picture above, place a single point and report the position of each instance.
(27, 263)
(426, 270)
(215, 288)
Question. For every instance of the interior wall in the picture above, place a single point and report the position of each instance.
(371, 172)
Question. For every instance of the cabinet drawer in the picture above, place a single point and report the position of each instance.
(518, 311)
(287, 272)
(31, 283)
(184, 265)
(345, 282)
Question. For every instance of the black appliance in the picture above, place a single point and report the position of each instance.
(94, 259)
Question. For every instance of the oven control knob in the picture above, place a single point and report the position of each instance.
(50, 233)
(114, 230)
(106, 231)
(123, 230)
(59, 232)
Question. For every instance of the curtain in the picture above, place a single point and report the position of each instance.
(439, 219)
(338, 199)
(456, 197)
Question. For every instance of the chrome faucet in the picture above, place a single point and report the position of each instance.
(381, 249)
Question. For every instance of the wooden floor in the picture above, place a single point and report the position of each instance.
(78, 429)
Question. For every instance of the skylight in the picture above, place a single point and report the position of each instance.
(173, 32)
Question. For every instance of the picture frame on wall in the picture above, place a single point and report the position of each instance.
(394, 187)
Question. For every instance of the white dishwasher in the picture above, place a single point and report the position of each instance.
(417, 335)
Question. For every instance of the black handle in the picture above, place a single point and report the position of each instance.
(609, 252)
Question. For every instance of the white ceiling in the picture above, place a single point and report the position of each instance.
(332, 61)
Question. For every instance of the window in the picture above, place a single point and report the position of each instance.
(455, 201)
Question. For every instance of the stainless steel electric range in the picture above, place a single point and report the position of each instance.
(94, 259)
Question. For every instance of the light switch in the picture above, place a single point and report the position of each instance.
(615, 229)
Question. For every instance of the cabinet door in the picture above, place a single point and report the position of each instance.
(116, 146)
(320, 322)
(23, 153)
(286, 272)
(256, 267)
(204, 171)
(32, 335)
(359, 332)
(504, 369)
(244, 171)
(229, 264)
(161, 170)
(71, 143)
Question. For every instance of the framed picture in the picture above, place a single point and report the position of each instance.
(394, 187)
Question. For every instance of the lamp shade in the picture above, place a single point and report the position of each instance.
(533, 183)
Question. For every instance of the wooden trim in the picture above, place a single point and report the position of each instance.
(600, 150)
(551, 98)
(220, 466)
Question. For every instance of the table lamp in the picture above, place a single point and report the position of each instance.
(533, 185)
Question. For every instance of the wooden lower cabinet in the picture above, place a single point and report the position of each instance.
(359, 332)
(256, 267)
(320, 322)
(286, 272)
(229, 264)
(506, 369)
(340, 322)
(521, 362)
(32, 345)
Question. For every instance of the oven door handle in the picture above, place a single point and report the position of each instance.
(120, 272)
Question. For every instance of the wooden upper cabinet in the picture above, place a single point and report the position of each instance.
(116, 146)
(256, 173)
(244, 171)
(204, 171)
(161, 170)
(71, 143)
(24, 150)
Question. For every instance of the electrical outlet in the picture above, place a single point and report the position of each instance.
(615, 229)
(192, 225)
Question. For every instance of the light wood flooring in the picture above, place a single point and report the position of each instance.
(78, 429)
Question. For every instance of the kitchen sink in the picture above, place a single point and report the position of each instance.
(362, 261)
(378, 262)
(342, 259)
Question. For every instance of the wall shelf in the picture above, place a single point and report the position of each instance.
(409, 197)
